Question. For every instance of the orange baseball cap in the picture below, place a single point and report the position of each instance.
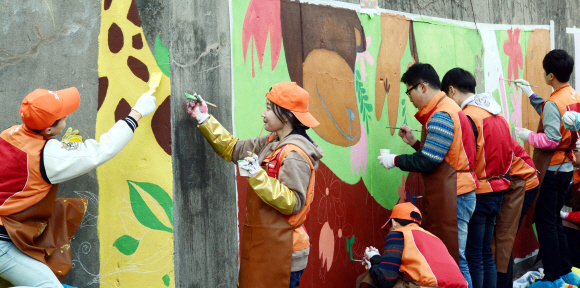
(41, 108)
(404, 211)
(294, 98)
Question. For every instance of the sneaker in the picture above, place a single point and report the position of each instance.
(571, 278)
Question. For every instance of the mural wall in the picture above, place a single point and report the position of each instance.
(351, 64)
(135, 188)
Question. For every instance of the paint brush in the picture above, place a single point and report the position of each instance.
(400, 128)
(194, 98)
(520, 83)
(154, 81)
(256, 142)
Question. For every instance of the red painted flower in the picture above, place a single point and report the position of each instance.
(263, 18)
(512, 48)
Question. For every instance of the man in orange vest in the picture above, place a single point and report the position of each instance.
(411, 254)
(445, 158)
(552, 155)
(35, 227)
(494, 157)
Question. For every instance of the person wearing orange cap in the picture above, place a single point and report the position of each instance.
(411, 255)
(275, 245)
(35, 227)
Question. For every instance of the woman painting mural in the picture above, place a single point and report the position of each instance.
(275, 245)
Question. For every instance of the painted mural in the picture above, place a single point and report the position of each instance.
(135, 188)
(351, 64)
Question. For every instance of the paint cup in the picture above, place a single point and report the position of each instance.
(243, 172)
(385, 151)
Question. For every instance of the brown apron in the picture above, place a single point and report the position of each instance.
(43, 231)
(266, 246)
(440, 206)
(402, 282)
(507, 220)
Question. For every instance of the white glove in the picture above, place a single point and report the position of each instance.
(387, 160)
(370, 252)
(251, 165)
(523, 133)
(563, 214)
(569, 118)
(198, 109)
(525, 86)
(146, 104)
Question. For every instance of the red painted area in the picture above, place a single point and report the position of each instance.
(512, 48)
(13, 170)
(339, 211)
(263, 18)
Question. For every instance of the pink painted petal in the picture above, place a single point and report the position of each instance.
(358, 152)
(369, 58)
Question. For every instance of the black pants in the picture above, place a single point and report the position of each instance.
(551, 235)
(505, 280)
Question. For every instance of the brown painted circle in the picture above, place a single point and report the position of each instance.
(137, 41)
(161, 125)
(138, 68)
(115, 38)
(103, 87)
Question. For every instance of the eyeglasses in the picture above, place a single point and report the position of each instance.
(408, 92)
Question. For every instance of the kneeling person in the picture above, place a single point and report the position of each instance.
(411, 254)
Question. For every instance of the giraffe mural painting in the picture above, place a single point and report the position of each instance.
(135, 188)
(351, 64)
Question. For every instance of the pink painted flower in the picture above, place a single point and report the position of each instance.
(366, 55)
(402, 192)
(512, 48)
(516, 117)
(262, 18)
(358, 153)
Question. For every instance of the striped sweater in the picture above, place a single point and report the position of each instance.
(385, 270)
(439, 139)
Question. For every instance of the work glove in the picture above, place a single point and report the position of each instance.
(198, 109)
(146, 104)
(251, 165)
(387, 160)
(71, 136)
(569, 118)
(370, 252)
(523, 133)
(563, 214)
(525, 86)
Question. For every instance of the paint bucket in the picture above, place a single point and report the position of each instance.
(385, 151)
(243, 172)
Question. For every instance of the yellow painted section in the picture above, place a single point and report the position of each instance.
(143, 160)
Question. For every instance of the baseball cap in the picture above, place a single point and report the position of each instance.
(294, 98)
(404, 211)
(41, 108)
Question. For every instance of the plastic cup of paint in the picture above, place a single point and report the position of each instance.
(385, 151)
(243, 172)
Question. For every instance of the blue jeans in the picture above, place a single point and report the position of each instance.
(24, 271)
(295, 278)
(480, 233)
(465, 208)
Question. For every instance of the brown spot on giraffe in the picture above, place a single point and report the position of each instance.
(103, 87)
(115, 38)
(161, 125)
(133, 14)
(107, 4)
(123, 109)
(138, 68)
(137, 41)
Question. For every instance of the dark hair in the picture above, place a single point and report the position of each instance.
(405, 222)
(283, 113)
(559, 63)
(460, 79)
(53, 125)
(419, 73)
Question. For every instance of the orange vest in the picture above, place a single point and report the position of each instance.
(20, 153)
(462, 152)
(567, 99)
(493, 156)
(426, 259)
(523, 167)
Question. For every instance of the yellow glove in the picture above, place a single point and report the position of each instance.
(72, 136)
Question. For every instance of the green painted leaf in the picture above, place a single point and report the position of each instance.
(143, 213)
(126, 244)
(162, 56)
(166, 280)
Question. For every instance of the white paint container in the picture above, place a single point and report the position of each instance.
(243, 172)
(385, 151)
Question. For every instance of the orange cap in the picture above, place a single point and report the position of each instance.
(41, 108)
(294, 98)
(404, 211)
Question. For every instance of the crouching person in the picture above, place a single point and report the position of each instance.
(412, 256)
